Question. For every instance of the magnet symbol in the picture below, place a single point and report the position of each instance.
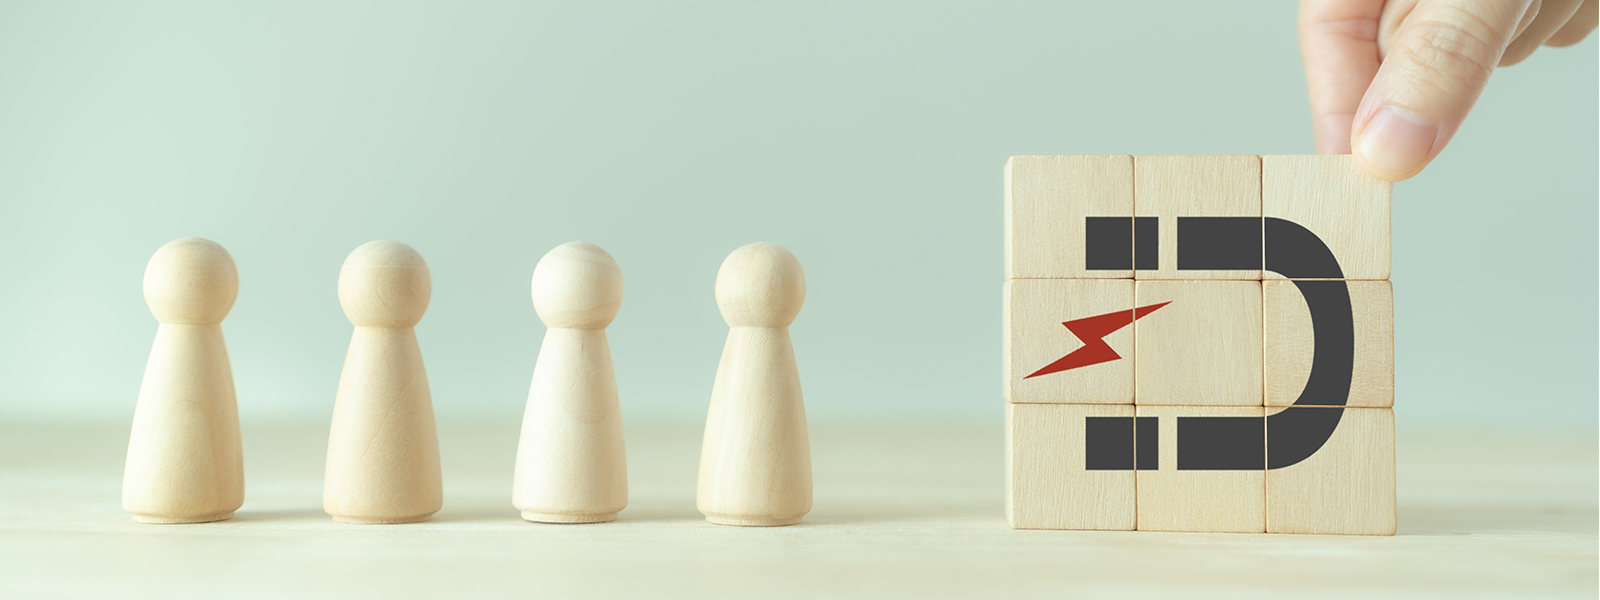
(1223, 243)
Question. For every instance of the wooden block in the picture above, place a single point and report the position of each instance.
(1048, 202)
(1196, 490)
(1346, 486)
(1170, 188)
(1333, 198)
(1290, 343)
(1202, 348)
(1037, 340)
(1049, 480)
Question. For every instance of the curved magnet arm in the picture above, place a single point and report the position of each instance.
(1297, 432)
(1290, 250)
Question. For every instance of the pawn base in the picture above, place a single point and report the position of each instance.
(564, 519)
(160, 520)
(744, 521)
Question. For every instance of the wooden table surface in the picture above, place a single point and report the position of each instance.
(905, 510)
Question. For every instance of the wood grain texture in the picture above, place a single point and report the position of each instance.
(1346, 487)
(1202, 349)
(1034, 336)
(1047, 484)
(1168, 187)
(908, 508)
(184, 462)
(571, 462)
(383, 451)
(1331, 196)
(1290, 342)
(1047, 200)
(1196, 500)
(755, 459)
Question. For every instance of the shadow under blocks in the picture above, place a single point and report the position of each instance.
(1198, 343)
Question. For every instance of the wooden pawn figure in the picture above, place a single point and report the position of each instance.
(755, 462)
(571, 465)
(184, 460)
(383, 451)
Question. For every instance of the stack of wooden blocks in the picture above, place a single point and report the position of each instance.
(1198, 343)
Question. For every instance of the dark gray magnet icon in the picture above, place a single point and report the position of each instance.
(1235, 243)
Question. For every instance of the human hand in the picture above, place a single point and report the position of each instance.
(1392, 80)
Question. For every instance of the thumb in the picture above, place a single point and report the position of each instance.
(1438, 61)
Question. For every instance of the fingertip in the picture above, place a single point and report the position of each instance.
(1569, 36)
(1395, 144)
(1515, 55)
(1565, 42)
(1578, 27)
(1382, 174)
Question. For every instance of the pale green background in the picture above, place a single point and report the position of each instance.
(869, 139)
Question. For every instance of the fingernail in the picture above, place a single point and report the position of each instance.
(1396, 142)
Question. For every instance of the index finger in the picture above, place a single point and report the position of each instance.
(1339, 45)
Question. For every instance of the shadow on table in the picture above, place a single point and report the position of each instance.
(256, 515)
(486, 514)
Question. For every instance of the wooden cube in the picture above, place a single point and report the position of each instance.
(1069, 466)
(1058, 208)
(1291, 343)
(1039, 344)
(1209, 476)
(1330, 196)
(1169, 189)
(1177, 352)
(1203, 347)
(1346, 484)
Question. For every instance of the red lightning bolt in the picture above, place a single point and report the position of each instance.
(1091, 330)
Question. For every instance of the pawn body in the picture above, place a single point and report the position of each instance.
(184, 463)
(571, 463)
(383, 450)
(755, 461)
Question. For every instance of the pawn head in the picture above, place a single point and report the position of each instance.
(191, 280)
(384, 284)
(577, 285)
(760, 285)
